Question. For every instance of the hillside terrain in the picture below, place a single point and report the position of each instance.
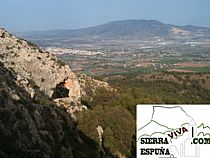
(32, 63)
(156, 88)
(42, 108)
(31, 129)
(46, 110)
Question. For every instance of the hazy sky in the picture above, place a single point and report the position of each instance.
(25, 15)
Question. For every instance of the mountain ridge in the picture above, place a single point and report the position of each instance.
(111, 22)
(117, 34)
(102, 27)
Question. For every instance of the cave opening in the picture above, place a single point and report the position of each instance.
(60, 91)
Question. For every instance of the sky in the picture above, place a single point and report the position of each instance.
(28, 15)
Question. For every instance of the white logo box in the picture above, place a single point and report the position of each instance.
(181, 131)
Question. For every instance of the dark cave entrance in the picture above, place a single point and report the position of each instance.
(60, 91)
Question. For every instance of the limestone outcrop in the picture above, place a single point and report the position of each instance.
(38, 96)
(89, 85)
(36, 66)
(32, 130)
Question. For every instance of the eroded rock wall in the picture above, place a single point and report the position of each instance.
(33, 63)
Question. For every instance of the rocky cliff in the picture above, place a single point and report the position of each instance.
(89, 85)
(31, 130)
(32, 63)
(32, 124)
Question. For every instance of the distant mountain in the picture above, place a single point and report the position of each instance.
(117, 30)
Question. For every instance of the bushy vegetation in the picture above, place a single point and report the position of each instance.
(117, 123)
(133, 91)
(106, 110)
(115, 110)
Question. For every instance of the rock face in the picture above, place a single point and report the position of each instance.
(31, 124)
(31, 130)
(89, 85)
(33, 63)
